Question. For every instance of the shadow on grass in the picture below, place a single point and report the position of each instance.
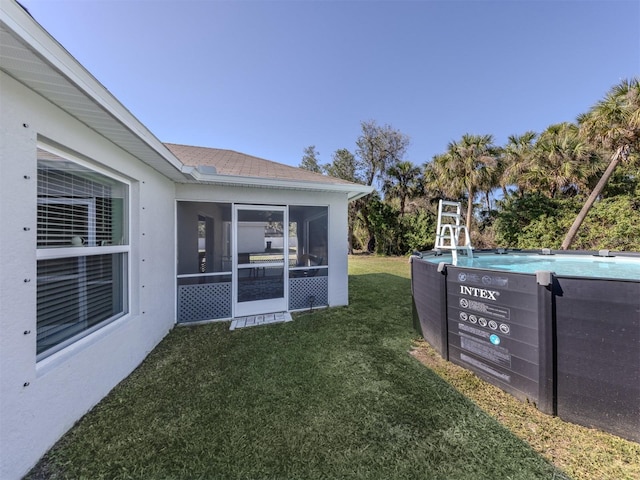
(333, 394)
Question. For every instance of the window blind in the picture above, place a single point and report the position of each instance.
(78, 289)
(72, 206)
(76, 294)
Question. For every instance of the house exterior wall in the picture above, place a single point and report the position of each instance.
(338, 209)
(40, 401)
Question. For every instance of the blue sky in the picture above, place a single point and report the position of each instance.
(269, 78)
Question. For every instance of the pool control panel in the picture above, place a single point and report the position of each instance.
(492, 322)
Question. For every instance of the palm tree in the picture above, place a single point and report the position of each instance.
(516, 160)
(561, 160)
(436, 179)
(467, 166)
(492, 177)
(401, 182)
(613, 125)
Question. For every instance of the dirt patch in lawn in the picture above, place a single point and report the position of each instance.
(583, 453)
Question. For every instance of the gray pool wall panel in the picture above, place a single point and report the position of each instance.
(598, 354)
(430, 310)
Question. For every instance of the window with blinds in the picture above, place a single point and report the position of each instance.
(82, 251)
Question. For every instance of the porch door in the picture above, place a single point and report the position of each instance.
(261, 253)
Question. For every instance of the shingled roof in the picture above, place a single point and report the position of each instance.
(230, 162)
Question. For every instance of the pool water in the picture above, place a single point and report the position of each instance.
(569, 265)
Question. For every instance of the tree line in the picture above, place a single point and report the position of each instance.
(574, 185)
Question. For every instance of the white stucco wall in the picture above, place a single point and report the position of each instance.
(39, 401)
(337, 203)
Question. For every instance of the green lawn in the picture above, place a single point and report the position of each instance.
(332, 395)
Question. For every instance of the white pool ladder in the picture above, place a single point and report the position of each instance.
(448, 230)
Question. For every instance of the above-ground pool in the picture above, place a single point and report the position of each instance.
(560, 330)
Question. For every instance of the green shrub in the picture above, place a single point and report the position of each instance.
(518, 214)
(535, 221)
(612, 223)
(419, 231)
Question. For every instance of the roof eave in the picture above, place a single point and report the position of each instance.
(352, 190)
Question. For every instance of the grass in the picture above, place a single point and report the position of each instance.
(581, 452)
(333, 394)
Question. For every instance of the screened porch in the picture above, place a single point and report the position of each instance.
(236, 259)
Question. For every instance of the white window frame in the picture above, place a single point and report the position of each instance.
(86, 251)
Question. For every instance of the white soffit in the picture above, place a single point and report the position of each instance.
(32, 57)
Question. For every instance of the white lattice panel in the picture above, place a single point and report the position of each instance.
(204, 302)
(303, 292)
